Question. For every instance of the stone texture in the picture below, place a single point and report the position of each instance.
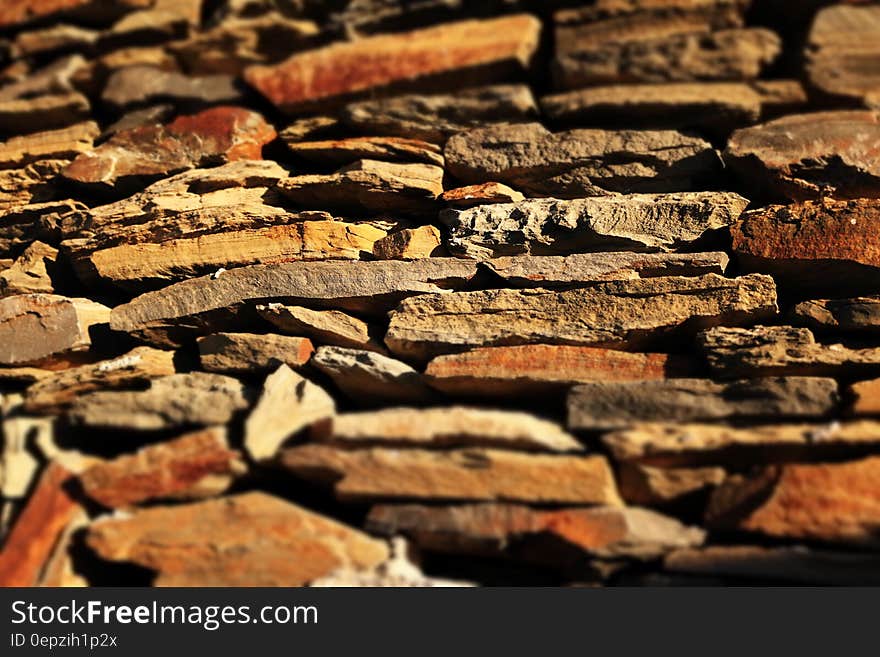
(287, 405)
(42, 522)
(250, 352)
(20, 12)
(196, 465)
(141, 85)
(475, 52)
(715, 106)
(409, 244)
(600, 405)
(470, 196)
(131, 370)
(28, 115)
(216, 135)
(34, 327)
(174, 401)
(649, 486)
(61, 144)
(549, 226)
(606, 532)
(251, 539)
(386, 149)
(450, 426)
(798, 564)
(370, 378)
(780, 351)
(579, 163)
(462, 474)
(865, 397)
(32, 272)
(737, 54)
(813, 246)
(612, 314)
(328, 327)
(369, 185)
(808, 156)
(688, 444)
(858, 315)
(434, 118)
(830, 502)
(843, 55)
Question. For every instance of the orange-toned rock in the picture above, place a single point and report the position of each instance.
(31, 542)
(387, 149)
(481, 194)
(808, 156)
(460, 474)
(833, 502)
(249, 352)
(833, 245)
(648, 486)
(253, 539)
(408, 244)
(865, 397)
(15, 12)
(219, 134)
(527, 369)
(198, 464)
(468, 52)
(488, 528)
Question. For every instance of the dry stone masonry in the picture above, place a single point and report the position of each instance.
(440, 293)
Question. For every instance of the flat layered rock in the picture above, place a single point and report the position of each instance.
(602, 406)
(141, 85)
(460, 474)
(34, 327)
(737, 54)
(451, 426)
(610, 314)
(830, 502)
(30, 544)
(368, 185)
(542, 368)
(370, 378)
(578, 163)
(781, 350)
(550, 226)
(287, 405)
(825, 246)
(32, 272)
(410, 244)
(649, 486)
(857, 315)
(355, 286)
(251, 352)
(327, 327)
(471, 196)
(605, 532)
(798, 564)
(61, 144)
(717, 106)
(27, 115)
(865, 398)
(475, 52)
(809, 156)
(252, 539)
(387, 149)
(843, 55)
(173, 401)
(434, 118)
(687, 444)
(55, 392)
(219, 134)
(20, 12)
(199, 464)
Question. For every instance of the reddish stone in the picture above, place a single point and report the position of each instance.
(214, 136)
(43, 521)
(471, 52)
(15, 12)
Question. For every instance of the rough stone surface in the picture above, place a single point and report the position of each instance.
(604, 315)
(460, 474)
(475, 52)
(387, 149)
(328, 327)
(595, 406)
(549, 226)
(141, 85)
(242, 540)
(199, 464)
(858, 315)
(250, 352)
(649, 486)
(451, 426)
(808, 156)
(409, 244)
(31, 272)
(470, 196)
